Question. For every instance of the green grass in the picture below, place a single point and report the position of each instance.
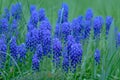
(109, 68)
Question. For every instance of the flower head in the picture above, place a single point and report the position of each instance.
(4, 25)
(70, 41)
(109, 20)
(39, 51)
(98, 23)
(42, 15)
(57, 51)
(45, 25)
(118, 39)
(65, 63)
(57, 30)
(77, 27)
(13, 48)
(32, 8)
(97, 56)
(32, 39)
(34, 18)
(63, 14)
(46, 41)
(6, 14)
(30, 26)
(3, 38)
(75, 55)
(89, 14)
(3, 50)
(21, 51)
(35, 62)
(65, 30)
(16, 11)
(14, 24)
(87, 29)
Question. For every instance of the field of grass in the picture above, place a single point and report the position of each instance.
(109, 67)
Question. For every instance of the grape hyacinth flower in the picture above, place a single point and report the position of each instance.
(46, 41)
(35, 62)
(63, 14)
(98, 23)
(21, 51)
(87, 29)
(97, 56)
(57, 30)
(75, 55)
(89, 14)
(30, 26)
(16, 11)
(65, 63)
(34, 18)
(45, 25)
(77, 27)
(118, 39)
(39, 51)
(14, 28)
(13, 48)
(4, 25)
(14, 24)
(3, 52)
(70, 41)
(65, 30)
(32, 8)
(109, 20)
(32, 39)
(40, 34)
(3, 38)
(6, 14)
(42, 15)
(57, 51)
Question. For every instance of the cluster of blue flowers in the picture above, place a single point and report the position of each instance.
(64, 46)
(9, 21)
(3, 52)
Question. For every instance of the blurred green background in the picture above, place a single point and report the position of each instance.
(76, 8)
